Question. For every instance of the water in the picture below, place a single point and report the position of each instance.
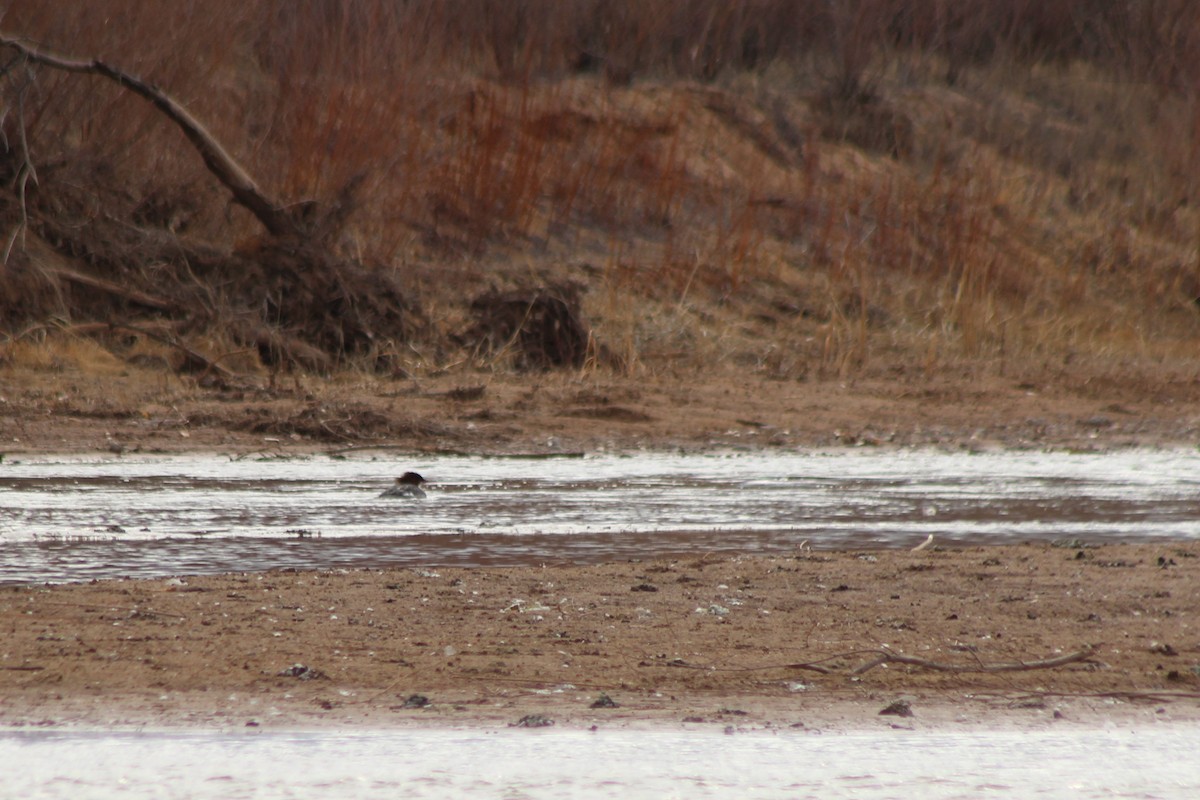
(64, 519)
(79, 518)
(1146, 762)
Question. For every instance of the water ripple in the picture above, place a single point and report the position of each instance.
(88, 517)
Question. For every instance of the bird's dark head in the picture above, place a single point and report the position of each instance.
(410, 479)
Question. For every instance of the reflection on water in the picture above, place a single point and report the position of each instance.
(78, 518)
(1154, 762)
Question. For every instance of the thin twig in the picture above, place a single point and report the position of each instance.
(210, 365)
(814, 666)
(884, 656)
(24, 173)
(130, 294)
(102, 606)
(890, 656)
(1129, 694)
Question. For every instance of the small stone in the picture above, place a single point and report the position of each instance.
(533, 721)
(604, 701)
(900, 708)
(302, 672)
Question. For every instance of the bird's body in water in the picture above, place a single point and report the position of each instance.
(408, 486)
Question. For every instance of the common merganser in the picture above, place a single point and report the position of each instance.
(407, 485)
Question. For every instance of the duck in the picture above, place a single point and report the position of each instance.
(408, 486)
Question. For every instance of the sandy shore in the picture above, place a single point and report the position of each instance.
(1105, 634)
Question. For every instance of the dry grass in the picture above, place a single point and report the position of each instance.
(802, 189)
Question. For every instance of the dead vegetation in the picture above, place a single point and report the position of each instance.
(333, 422)
(797, 189)
(289, 286)
(542, 327)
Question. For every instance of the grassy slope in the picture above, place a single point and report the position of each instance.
(849, 200)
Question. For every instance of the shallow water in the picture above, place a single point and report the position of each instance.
(1147, 762)
(91, 517)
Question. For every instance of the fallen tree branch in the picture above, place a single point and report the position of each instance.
(220, 163)
(314, 306)
(892, 657)
(126, 292)
(207, 363)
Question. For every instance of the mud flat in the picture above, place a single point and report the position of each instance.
(1026, 634)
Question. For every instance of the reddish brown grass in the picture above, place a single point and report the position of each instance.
(842, 181)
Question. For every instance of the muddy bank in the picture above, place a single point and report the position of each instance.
(557, 412)
(1092, 634)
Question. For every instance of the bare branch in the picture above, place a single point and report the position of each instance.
(24, 173)
(219, 162)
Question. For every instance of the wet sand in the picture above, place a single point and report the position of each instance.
(748, 642)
